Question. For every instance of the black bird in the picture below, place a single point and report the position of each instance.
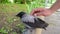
(32, 21)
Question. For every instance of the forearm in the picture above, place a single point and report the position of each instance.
(55, 6)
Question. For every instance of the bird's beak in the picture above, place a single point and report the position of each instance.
(17, 15)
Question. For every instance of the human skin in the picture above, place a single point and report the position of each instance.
(44, 11)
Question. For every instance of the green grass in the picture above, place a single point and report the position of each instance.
(12, 7)
(8, 17)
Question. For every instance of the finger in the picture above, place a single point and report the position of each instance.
(38, 14)
(37, 10)
(34, 11)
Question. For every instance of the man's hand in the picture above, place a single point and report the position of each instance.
(41, 12)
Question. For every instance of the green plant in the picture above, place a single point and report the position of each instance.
(9, 20)
(3, 31)
(22, 1)
(14, 33)
(21, 26)
(35, 4)
(4, 1)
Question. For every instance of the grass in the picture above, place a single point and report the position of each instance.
(12, 7)
(8, 20)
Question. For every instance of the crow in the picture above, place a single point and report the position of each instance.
(32, 21)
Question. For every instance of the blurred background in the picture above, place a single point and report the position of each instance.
(9, 23)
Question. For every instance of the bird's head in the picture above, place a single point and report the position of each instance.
(20, 14)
